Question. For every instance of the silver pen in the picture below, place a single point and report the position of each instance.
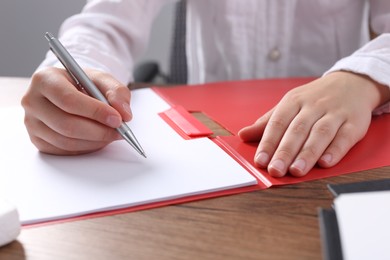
(86, 84)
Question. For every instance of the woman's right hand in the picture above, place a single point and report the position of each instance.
(62, 120)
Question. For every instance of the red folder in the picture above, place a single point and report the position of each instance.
(237, 104)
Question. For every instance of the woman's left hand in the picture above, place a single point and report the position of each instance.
(315, 123)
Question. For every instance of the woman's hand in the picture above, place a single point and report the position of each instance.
(62, 120)
(315, 123)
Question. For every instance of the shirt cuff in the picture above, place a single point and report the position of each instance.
(373, 67)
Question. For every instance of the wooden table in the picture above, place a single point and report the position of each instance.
(278, 223)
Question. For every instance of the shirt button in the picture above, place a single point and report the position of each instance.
(274, 54)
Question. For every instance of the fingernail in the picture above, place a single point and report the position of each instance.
(262, 159)
(279, 166)
(126, 107)
(299, 165)
(113, 121)
(327, 158)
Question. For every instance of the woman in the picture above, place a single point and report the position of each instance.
(228, 40)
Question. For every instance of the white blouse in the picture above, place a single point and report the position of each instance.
(239, 39)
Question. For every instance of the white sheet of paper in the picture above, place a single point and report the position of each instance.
(46, 187)
(364, 225)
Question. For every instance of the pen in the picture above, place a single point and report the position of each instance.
(84, 83)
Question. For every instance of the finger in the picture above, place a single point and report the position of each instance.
(117, 94)
(255, 131)
(48, 148)
(347, 136)
(321, 135)
(274, 130)
(49, 141)
(70, 125)
(292, 141)
(63, 94)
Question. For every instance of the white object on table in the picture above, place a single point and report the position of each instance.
(9, 223)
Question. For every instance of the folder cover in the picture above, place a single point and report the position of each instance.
(235, 105)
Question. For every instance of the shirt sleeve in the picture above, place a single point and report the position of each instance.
(373, 59)
(108, 35)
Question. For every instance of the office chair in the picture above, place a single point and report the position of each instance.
(149, 72)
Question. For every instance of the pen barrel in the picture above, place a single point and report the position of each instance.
(76, 72)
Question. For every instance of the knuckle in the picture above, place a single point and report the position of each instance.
(311, 151)
(346, 137)
(38, 77)
(45, 78)
(111, 95)
(285, 154)
(277, 123)
(299, 128)
(324, 130)
(293, 95)
(38, 81)
(117, 90)
(25, 101)
(116, 86)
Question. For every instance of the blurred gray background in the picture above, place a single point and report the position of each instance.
(23, 24)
